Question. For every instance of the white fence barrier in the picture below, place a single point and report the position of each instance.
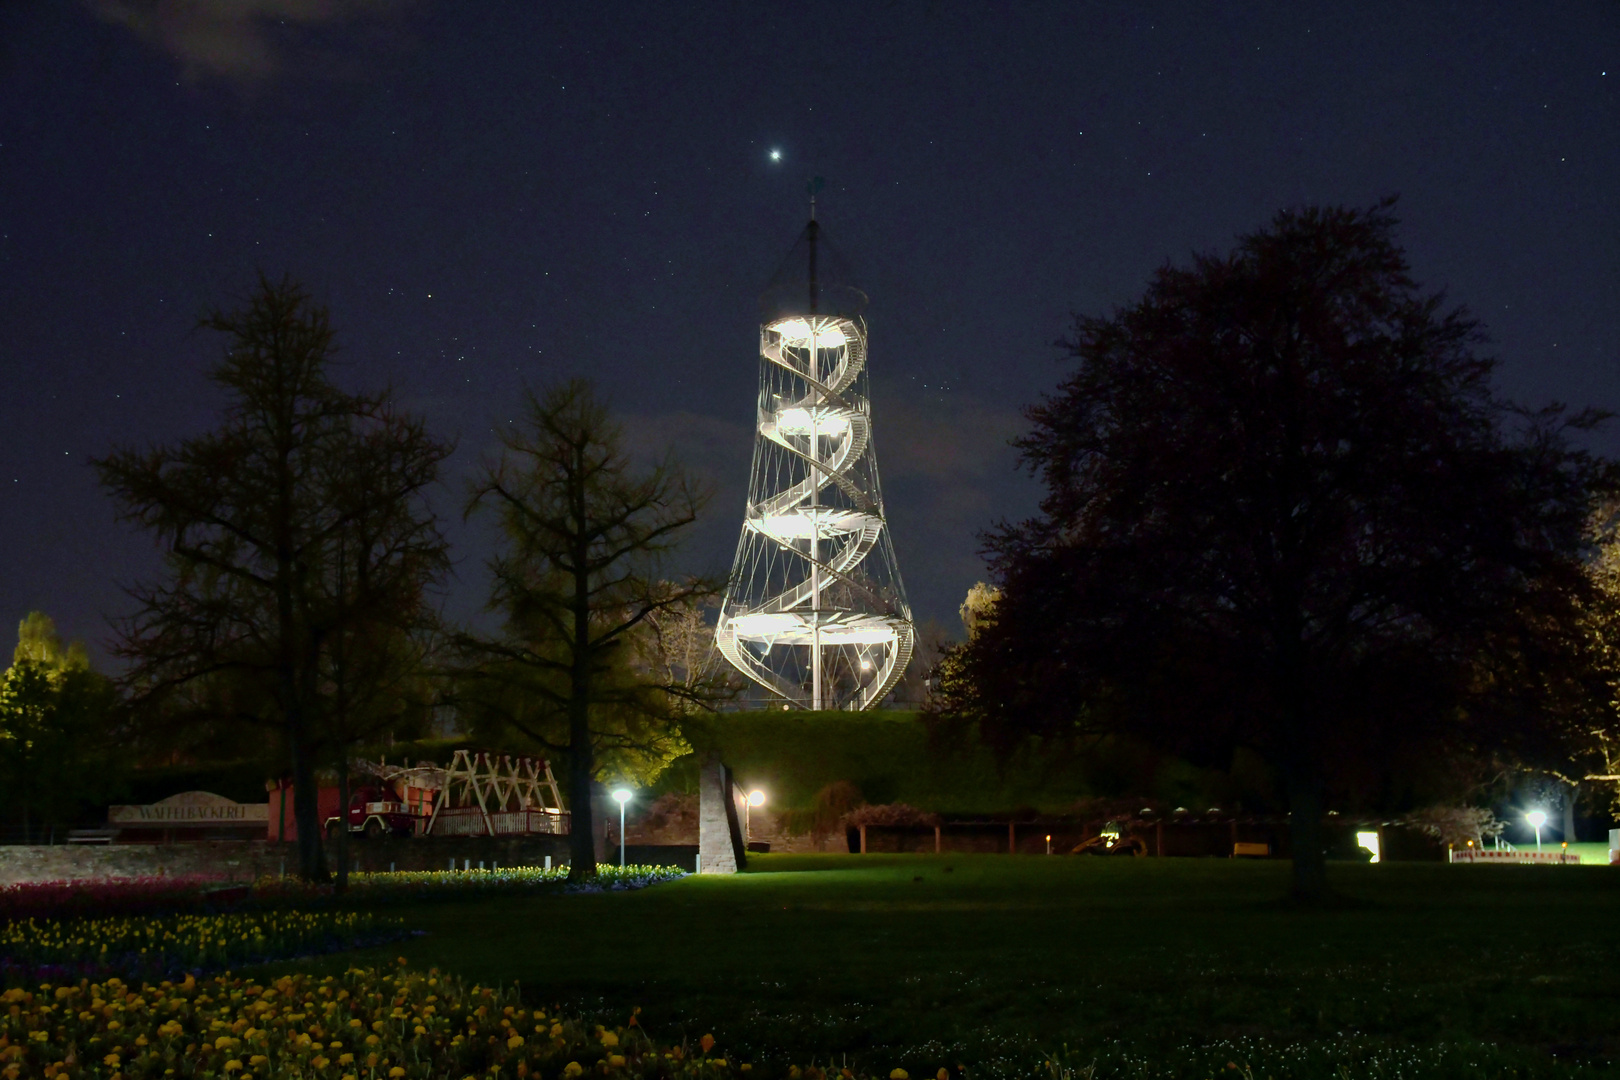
(1539, 858)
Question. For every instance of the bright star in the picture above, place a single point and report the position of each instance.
(776, 155)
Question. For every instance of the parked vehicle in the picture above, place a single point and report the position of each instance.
(375, 812)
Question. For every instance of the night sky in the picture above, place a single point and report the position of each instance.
(490, 196)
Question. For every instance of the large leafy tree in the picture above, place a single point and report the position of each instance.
(300, 546)
(1592, 724)
(58, 728)
(1284, 509)
(580, 583)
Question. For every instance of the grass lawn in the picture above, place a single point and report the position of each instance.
(989, 961)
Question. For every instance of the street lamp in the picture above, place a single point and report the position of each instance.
(1537, 819)
(621, 796)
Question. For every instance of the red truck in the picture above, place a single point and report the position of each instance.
(375, 812)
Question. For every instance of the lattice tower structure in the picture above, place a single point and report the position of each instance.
(815, 612)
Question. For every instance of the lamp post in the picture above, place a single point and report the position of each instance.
(1537, 819)
(621, 796)
(755, 798)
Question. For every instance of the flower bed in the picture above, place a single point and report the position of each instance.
(150, 947)
(178, 895)
(366, 1023)
(412, 886)
(118, 896)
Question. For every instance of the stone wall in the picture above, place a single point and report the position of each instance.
(244, 861)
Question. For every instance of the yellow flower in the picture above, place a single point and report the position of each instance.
(899, 1074)
(113, 1025)
(616, 1060)
(110, 1059)
(609, 1039)
(707, 1042)
(514, 1042)
(420, 1030)
(372, 1040)
(573, 1068)
(233, 1065)
(257, 1059)
(556, 1029)
(345, 1059)
(319, 1063)
(396, 1071)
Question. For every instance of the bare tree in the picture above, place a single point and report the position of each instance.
(586, 535)
(297, 524)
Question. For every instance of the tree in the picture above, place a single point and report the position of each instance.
(38, 641)
(57, 728)
(1593, 732)
(1284, 509)
(578, 583)
(295, 530)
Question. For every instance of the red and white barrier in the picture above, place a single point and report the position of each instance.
(1539, 858)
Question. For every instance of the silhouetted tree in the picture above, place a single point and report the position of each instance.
(1283, 509)
(293, 532)
(579, 578)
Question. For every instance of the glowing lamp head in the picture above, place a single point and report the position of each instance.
(756, 798)
(621, 796)
(1536, 818)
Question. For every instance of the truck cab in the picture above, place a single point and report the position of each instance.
(375, 812)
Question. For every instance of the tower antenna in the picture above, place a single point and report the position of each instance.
(810, 232)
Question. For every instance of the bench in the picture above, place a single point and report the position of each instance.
(1243, 850)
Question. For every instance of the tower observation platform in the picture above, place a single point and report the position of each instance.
(815, 612)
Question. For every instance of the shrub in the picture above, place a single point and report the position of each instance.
(890, 814)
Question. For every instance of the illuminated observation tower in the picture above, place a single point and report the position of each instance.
(815, 611)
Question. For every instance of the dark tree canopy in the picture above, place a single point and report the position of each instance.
(1284, 509)
(299, 547)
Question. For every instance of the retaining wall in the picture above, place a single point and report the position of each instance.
(246, 860)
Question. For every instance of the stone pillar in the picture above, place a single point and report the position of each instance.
(721, 848)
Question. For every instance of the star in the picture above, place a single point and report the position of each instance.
(776, 155)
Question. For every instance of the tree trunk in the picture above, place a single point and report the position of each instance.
(1305, 833)
(343, 825)
(1570, 793)
(582, 820)
(306, 812)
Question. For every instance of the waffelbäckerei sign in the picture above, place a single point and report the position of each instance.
(191, 808)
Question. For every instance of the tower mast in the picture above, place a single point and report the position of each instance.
(814, 354)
